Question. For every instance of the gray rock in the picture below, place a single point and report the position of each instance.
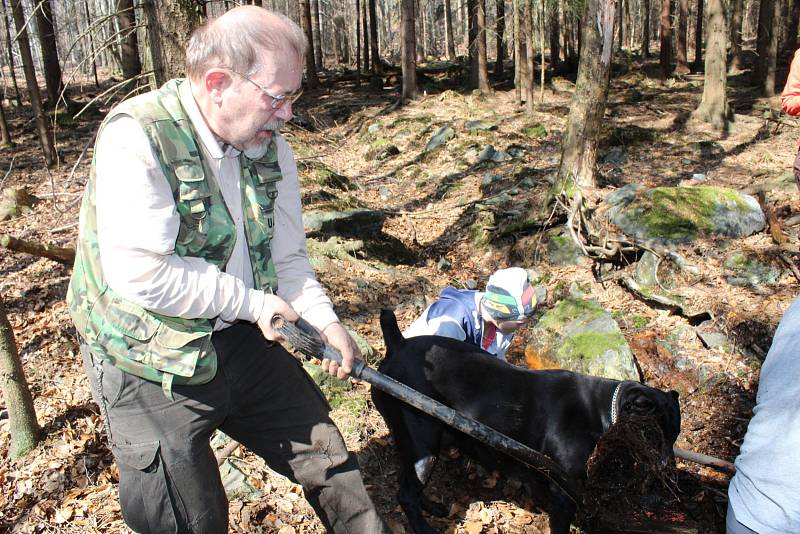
(387, 152)
(471, 284)
(562, 250)
(374, 128)
(490, 154)
(578, 335)
(646, 269)
(672, 215)
(489, 179)
(443, 264)
(624, 195)
(746, 271)
(384, 193)
(442, 136)
(359, 223)
(479, 125)
(615, 156)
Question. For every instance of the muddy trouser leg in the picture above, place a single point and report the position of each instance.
(169, 479)
(796, 169)
(279, 413)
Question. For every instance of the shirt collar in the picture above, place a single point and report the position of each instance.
(213, 145)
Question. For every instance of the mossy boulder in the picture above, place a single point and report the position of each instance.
(321, 174)
(577, 334)
(670, 215)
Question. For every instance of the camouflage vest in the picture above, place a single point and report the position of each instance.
(153, 346)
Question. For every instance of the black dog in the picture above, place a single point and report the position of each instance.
(559, 413)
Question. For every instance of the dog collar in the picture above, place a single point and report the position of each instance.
(614, 411)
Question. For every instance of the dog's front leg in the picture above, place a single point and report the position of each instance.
(413, 502)
(562, 510)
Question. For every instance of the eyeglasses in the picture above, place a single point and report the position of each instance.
(277, 100)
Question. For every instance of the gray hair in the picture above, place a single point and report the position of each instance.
(239, 45)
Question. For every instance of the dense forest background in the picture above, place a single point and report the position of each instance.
(437, 140)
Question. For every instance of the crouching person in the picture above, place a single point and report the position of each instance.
(487, 319)
(764, 494)
(191, 240)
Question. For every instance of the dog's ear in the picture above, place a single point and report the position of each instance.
(638, 402)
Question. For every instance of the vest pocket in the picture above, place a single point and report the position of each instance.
(172, 342)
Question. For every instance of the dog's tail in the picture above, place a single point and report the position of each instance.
(392, 335)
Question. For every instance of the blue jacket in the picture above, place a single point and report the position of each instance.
(455, 315)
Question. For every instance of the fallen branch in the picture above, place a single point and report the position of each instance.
(706, 460)
(226, 452)
(62, 255)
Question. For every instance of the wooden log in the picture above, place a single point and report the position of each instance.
(62, 255)
(706, 460)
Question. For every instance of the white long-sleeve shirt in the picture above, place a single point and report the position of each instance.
(137, 226)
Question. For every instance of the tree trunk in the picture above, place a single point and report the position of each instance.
(409, 50)
(772, 52)
(792, 23)
(483, 64)
(129, 50)
(764, 30)
(311, 67)
(681, 66)
(555, 30)
(91, 43)
(737, 8)
(582, 134)
(10, 51)
(450, 45)
(24, 427)
(646, 29)
(5, 135)
(698, 38)
(42, 127)
(500, 26)
(520, 54)
(316, 45)
(530, 54)
(365, 35)
(373, 39)
(170, 23)
(620, 37)
(665, 59)
(358, 43)
(472, 42)
(713, 106)
(47, 40)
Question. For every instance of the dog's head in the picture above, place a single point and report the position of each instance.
(640, 400)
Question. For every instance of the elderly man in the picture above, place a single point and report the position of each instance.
(191, 240)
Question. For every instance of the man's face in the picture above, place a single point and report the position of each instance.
(248, 115)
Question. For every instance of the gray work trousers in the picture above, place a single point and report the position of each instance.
(261, 397)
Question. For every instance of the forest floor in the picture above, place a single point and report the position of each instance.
(68, 483)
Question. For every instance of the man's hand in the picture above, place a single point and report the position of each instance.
(336, 335)
(274, 305)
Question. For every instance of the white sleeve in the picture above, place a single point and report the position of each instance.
(440, 326)
(137, 225)
(297, 283)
